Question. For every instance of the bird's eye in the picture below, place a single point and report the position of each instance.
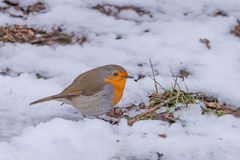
(115, 73)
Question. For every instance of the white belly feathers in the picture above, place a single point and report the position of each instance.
(95, 105)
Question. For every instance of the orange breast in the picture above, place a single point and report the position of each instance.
(118, 87)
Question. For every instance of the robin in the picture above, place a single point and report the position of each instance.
(94, 92)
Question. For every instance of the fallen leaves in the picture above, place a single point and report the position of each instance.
(9, 72)
(220, 13)
(34, 8)
(42, 76)
(22, 11)
(162, 136)
(164, 106)
(165, 116)
(183, 74)
(206, 42)
(213, 106)
(171, 105)
(114, 11)
(115, 112)
(236, 30)
(24, 34)
(16, 33)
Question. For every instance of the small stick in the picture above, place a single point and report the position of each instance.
(178, 86)
(186, 87)
(174, 86)
(154, 78)
(132, 120)
(159, 84)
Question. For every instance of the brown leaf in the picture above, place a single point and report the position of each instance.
(165, 116)
(37, 7)
(115, 112)
(183, 73)
(162, 136)
(236, 114)
(206, 42)
(220, 13)
(213, 105)
(11, 3)
(41, 76)
(113, 10)
(236, 30)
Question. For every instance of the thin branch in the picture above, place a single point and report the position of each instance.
(154, 78)
(175, 83)
(178, 86)
(159, 84)
(186, 87)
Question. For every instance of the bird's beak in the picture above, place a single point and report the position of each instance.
(128, 76)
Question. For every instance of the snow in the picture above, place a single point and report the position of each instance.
(51, 131)
(93, 139)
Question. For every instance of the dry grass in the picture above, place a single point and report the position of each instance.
(23, 11)
(24, 34)
(236, 30)
(176, 99)
(114, 11)
(163, 106)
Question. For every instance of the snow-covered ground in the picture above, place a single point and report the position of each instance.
(168, 34)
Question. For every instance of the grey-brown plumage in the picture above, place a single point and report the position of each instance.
(89, 92)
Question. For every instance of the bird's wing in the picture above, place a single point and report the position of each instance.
(85, 84)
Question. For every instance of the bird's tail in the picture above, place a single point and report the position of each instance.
(44, 99)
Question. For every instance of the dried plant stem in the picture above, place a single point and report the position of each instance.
(154, 78)
(186, 88)
(159, 84)
(132, 120)
(175, 83)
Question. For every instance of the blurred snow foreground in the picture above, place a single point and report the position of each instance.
(194, 35)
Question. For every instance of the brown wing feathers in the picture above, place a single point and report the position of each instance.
(85, 84)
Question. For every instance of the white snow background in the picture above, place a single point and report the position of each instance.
(49, 131)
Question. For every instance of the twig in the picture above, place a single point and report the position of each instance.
(178, 86)
(154, 78)
(159, 84)
(132, 120)
(175, 83)
(186, 87)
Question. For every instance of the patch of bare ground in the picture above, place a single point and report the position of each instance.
(163, 106)
(14, 9)
(114, 11)
(25, 34)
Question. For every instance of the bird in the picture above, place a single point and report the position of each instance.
(94, 92)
